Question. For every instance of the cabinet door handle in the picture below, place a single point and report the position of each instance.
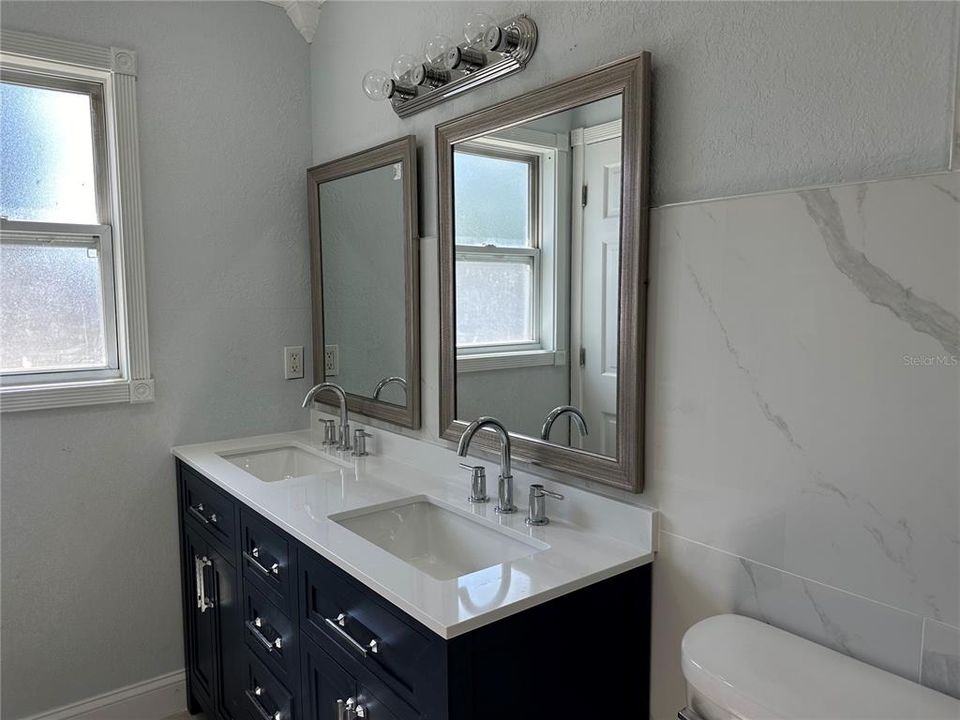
(199, 563)
(253, 558)
(253, 697)
(254, 627)
(339, 624)
(197, 512)
(350, 710)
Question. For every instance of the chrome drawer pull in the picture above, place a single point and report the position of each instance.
(350, 710)
(261, 710)
(253, 557)
(197, 512)
(199, 563)
(339, 624)
(254, 627)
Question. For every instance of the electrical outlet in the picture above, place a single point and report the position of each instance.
(293, 362)
(331, 360)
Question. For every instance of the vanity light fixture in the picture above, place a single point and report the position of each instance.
(490, 51)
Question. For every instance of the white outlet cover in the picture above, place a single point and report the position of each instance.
(331, 361)
(293, 362)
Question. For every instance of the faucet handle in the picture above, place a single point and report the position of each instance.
(537, 510)
(360, 442)
(478, 483)
(329, 432)
(537, 490)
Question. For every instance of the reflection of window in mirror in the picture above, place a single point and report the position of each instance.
(507, 192)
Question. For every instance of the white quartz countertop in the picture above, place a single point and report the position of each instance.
(590, 538)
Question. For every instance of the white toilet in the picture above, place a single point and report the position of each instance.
(738, 668)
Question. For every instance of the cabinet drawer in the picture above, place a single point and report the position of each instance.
(339, 612)
(327, 687)
(208, 507)
(264, 696)
(268, 557)
(271, 636)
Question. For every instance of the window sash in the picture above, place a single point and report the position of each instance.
(60, 234)
(491, 253)
(533, 184)
(98, 124)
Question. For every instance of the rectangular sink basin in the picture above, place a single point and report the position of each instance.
(279, 463)
(442, 542)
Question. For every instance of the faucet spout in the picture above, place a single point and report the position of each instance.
(505, 481)
(344, 417)
(579, 420)
(394, 379)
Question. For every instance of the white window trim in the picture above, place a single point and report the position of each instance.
(118, 68)
(552, 270)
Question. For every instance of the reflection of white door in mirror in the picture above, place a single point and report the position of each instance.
(593, 379)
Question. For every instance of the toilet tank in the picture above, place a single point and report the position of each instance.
(740, 668)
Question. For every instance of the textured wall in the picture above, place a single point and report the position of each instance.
(748, 96)
(806, 472)
(90, 579)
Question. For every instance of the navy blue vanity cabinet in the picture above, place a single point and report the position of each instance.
(274, 631)
(211, 597)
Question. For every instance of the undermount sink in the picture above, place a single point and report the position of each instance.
(279, 463)
(442, 542)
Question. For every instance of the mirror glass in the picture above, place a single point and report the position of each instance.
(362, 250)
(536, 217)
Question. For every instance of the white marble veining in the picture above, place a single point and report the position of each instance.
(804, 419)
(565, 555)
(805, 384)
(940, 665)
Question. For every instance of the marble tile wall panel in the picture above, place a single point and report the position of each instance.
(940, 664)
(804, 407)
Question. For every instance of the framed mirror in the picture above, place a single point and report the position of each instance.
(543, 266)
(365, 280)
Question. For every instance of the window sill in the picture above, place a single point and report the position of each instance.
(45, 397)
(506, 361)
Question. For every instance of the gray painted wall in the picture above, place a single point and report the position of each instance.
(90, 588)
(749, 96)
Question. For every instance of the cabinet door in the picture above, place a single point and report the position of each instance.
(199, 616)
(222, 587)
(326, 686)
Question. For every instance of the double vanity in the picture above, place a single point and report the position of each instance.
(333, 573)
(322, 586)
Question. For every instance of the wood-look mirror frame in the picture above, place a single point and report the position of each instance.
(403, 151)
(631, 78)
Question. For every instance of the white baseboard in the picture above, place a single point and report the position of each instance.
(148, 700)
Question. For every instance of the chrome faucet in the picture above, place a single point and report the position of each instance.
(387, 381)
(344, 419)
(505, 481)
(581, 422)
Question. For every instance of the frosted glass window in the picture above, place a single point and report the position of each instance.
(51, 307)
(495, 300)
(492, 200)
(47, 155)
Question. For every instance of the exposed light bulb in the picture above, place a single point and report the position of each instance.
(378, 85)
(408, 67)
(476, 28)
(442, 52)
